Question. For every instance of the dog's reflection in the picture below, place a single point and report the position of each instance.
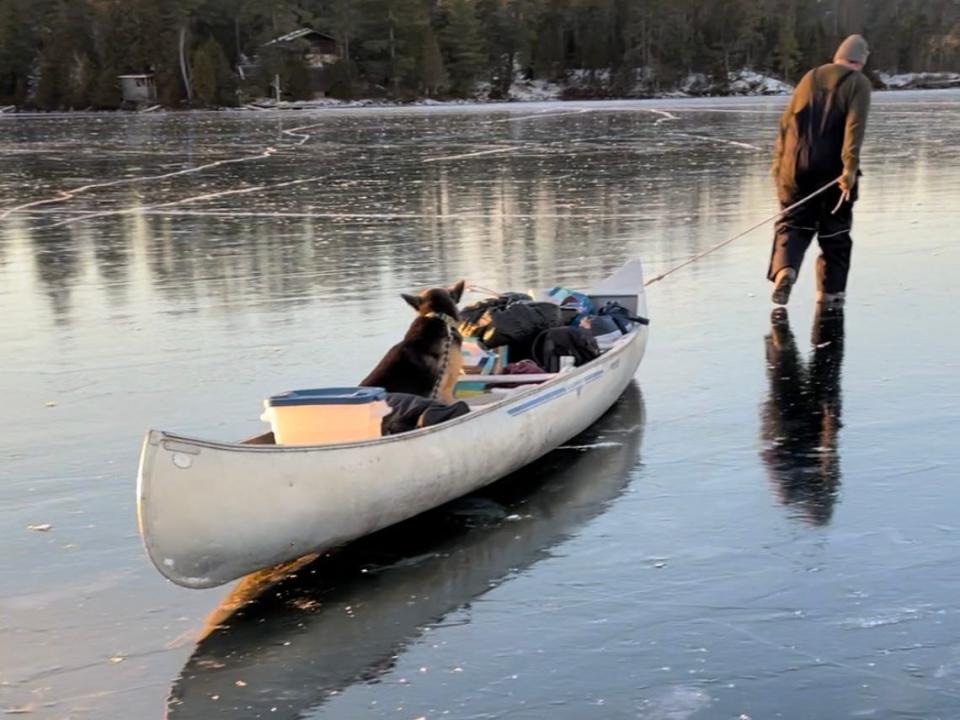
(801, 416)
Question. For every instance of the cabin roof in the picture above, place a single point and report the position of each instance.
(301, 33)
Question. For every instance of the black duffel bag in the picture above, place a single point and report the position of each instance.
(519, 324)
(476, 318)
(554, 343)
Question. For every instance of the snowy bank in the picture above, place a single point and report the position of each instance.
(578, 84)
(919, 81)
(742, 82)
(748, 82)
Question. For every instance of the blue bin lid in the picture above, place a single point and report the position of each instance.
(328, 396)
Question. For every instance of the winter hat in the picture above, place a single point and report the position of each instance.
(854, 49)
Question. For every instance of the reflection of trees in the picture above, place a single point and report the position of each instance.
(801, 416)
(56, 261)
(379, 219)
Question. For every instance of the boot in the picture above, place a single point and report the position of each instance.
(782, 285)
(831, 300)
(781, 337)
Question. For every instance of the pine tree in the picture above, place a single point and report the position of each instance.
(204, 71)
(390, 55)
(343, 80)
(18, 46)
(66, 70)
(550, 41)
(507, 27)
(106, 89)
(433, 72)
(749, 37)
(787, 47)
(463, 47)
(593, 32)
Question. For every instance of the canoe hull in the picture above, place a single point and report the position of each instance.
(210, 512)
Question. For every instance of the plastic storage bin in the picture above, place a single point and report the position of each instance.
(325, 415)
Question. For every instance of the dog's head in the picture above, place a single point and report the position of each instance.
(442, 301)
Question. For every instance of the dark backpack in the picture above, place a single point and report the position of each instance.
(518, 325)
(554, 343)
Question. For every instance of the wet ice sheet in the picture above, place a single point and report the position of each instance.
(756, 560)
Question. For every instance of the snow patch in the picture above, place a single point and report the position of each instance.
(750, 82)
(535, 90)
(910, 81)
(696, 84)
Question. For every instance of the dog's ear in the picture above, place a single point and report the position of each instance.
(456, 291)
(413, 301)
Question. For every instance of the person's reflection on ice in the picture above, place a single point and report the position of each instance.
(801, 416)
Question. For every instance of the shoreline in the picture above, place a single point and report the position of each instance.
(266, 105)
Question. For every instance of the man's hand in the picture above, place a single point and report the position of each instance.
(847, 181)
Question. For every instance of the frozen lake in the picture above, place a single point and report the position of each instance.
(765, 526)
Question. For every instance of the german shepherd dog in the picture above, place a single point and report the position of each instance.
(428, 361)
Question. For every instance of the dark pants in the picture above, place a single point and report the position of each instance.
(795, 230)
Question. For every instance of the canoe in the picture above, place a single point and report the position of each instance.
(211, 512)
(295, 648)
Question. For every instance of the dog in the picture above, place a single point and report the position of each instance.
(429, 360)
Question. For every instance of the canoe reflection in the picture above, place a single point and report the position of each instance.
(346, 617)
(801, 416)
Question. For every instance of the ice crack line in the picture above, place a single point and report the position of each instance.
(512, 148)
(540, 115)
(720, 140)
(666, 115)
(64, 195)
(295, 132)
(183, 201)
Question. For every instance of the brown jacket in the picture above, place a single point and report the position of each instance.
(822, 129)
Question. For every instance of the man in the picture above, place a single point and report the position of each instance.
(821, 132)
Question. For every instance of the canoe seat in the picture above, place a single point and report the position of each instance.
(486, 398)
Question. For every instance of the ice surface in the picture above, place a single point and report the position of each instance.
(725, 545)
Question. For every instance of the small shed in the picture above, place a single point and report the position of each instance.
(138, 88)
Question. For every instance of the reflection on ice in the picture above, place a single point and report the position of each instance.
(801, 417)
(347, 617)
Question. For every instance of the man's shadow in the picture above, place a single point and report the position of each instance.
(801, 416)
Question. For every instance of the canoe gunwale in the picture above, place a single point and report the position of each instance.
(155, 437)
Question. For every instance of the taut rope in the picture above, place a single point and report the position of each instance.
(843, 197)
(750, 229)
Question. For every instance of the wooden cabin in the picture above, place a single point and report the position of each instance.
(318, 49)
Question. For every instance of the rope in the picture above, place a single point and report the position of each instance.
(750, 229)
(482, 290)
